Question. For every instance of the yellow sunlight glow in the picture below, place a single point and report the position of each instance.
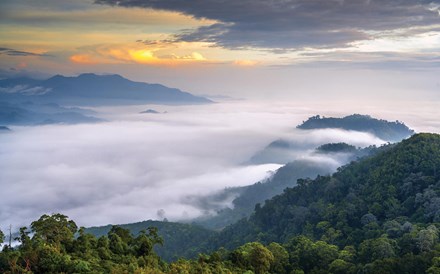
(142, 56)
(132, 54)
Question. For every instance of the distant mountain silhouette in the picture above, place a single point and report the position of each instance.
(150, 111)
(92, 89)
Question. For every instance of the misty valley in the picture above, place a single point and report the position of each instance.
(219, 137)
(104, 175)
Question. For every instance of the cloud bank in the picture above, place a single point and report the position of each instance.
(146, 166)
(126, 170)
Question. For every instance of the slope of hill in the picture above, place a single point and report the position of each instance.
(249, 196)
(92, 89)
(383, 194)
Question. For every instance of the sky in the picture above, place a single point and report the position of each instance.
(293, 49)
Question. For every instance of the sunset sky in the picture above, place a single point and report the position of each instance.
(296, 49)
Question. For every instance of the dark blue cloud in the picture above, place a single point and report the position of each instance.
(292, 24)
(12, 52)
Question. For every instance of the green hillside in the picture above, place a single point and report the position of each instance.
(391, 199)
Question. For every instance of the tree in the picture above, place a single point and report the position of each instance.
(2, 236)
(308, 255)
(261, 259)
(427, 238)
(377, 249)
(145, 242)
(435, 268)
(340, 266)
(281, 258)
(54, 229)
(253, 256)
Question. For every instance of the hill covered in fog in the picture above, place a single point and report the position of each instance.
(385, 130)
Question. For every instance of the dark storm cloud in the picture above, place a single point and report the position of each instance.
(293, 24)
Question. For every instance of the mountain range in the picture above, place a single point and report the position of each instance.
(92, 89)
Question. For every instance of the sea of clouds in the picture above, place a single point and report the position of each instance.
(135, 167)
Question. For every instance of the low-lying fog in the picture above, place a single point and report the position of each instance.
(136, 166)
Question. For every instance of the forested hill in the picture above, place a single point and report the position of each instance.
(390, 199)
(178, 239)
(91, 89)
(388, 131)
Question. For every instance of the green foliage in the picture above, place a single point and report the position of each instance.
(54, 229)
(253, 256)
(53, 248)
(336, 147)
(280, 262)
